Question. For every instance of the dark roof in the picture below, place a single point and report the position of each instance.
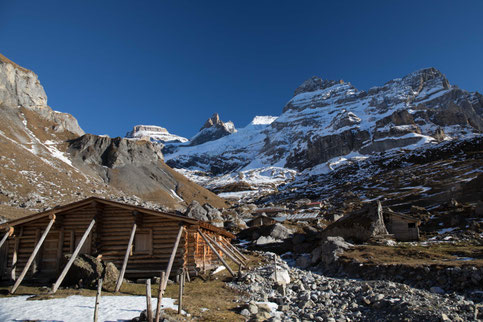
(87, 201)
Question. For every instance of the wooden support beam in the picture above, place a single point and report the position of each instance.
(32, 256)
(216, 253)
(73, 257)
(236, 250)
(224, 251)
(160, 296)
(6, 235)
(126, 258)
(35, 264)
(173, 255)
(149, 310)
(98, 298)
(232, 251)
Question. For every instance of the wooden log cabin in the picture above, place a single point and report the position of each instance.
(154, 234)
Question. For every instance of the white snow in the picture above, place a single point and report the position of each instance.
(76, 308)
(217, 270)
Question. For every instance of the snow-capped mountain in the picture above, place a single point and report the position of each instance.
(155, 134)
(327, 120)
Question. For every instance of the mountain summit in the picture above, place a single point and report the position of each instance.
(213, 129)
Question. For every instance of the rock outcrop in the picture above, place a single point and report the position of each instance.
(213, 129)
(154, 133)
(136, 167)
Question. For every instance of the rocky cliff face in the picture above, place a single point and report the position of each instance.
(327, 121)
(213, 129)
(136, 167)
(46, 160)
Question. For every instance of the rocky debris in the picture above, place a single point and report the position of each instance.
(86, 270)
(213, 129)
(314, 297)
(360, 225)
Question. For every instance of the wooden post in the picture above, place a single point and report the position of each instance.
(236, 250)
(216, 253)
(126, 258)
(275, 267)
(73, 257)
(149, 310)
(36, 261)
(160, 296)
(180, 295)
(224, 251)
(32, 256)
(7, 234)
(173, 255)
(98, 298)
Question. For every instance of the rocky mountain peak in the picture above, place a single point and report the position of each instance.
(315, 83)
(213, 129)
(426, 77)
(213, 120)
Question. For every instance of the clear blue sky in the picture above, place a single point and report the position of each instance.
(116, 64)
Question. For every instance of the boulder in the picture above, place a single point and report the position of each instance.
(282, 277)
(360, 225)
(331, 249)
(196, 211)
(86, 270)
(279, 231)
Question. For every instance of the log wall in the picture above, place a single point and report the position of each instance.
(109, 238)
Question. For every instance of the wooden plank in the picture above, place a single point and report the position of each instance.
(73, 257)
(32, 256)
(98, 298)
(126, 257)
(72, 242)
(173, 255)
(217, 255)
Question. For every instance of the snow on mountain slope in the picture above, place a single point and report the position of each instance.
(326, 120)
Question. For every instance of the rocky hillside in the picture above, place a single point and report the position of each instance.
(327, 120)
(47, 160)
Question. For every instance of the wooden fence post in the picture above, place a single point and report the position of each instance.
(126, 257)
(160, 296)
(73, 257)
(180, 295)
(98, 298)
(173, 255)
(216, 253)
(149, 310)
(32, 256)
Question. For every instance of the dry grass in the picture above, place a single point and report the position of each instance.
(444, 254)
(205, 292)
